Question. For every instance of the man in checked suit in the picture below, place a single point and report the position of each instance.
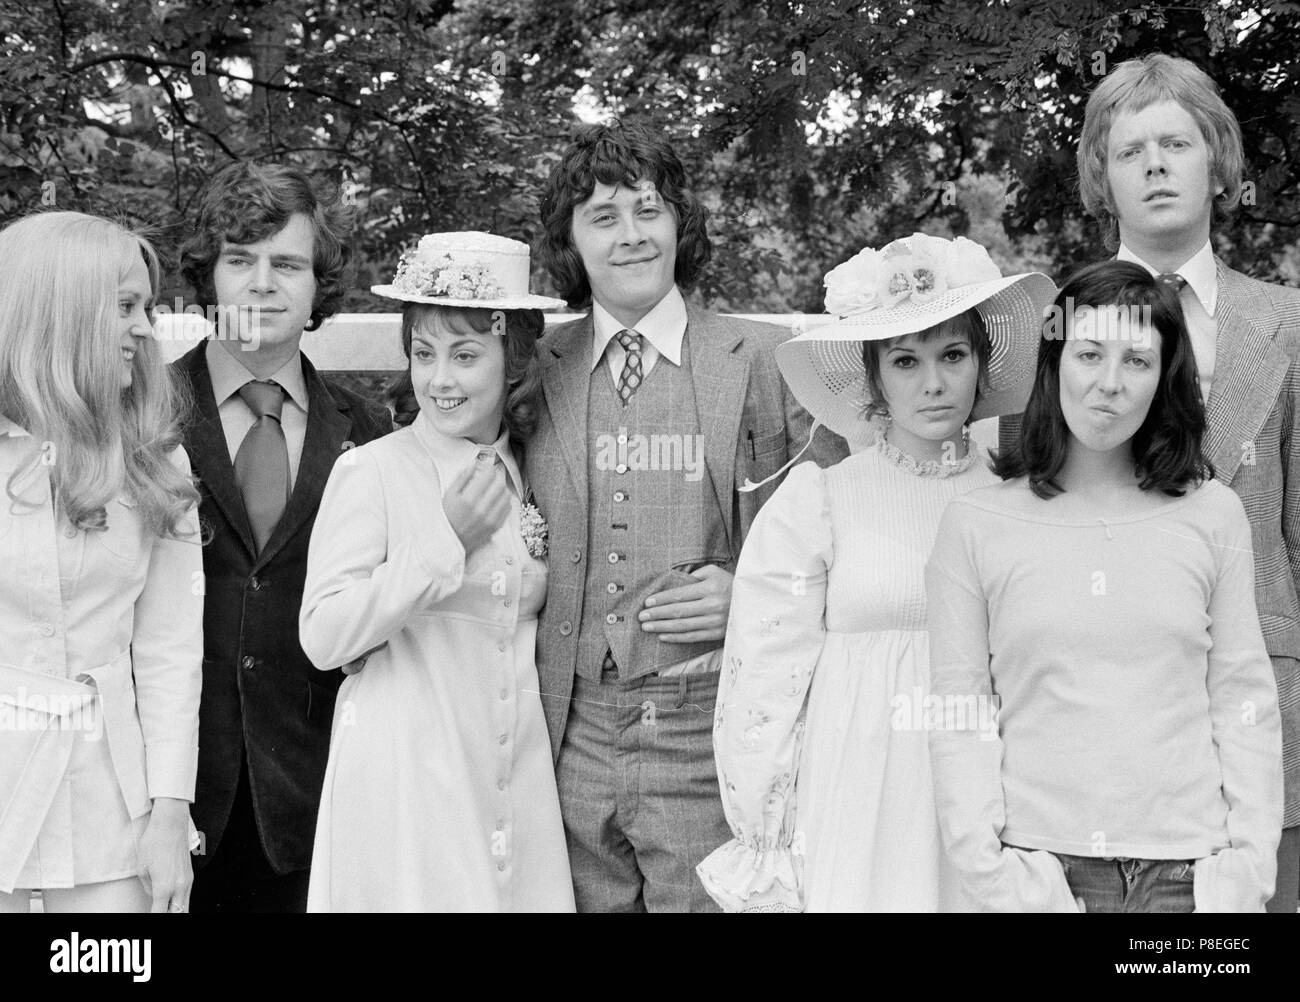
(270, 252)
(655, 413)
(1159, 157)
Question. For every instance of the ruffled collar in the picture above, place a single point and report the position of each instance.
(928, 467)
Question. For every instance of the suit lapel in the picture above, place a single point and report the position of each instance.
(565, 381)
(329, 423)
(721, 378)
(1249, 369)
(209, 454)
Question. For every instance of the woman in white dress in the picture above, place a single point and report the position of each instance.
(425, 563)
(820, 726)
(101, 593)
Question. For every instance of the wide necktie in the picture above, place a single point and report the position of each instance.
(262, 462)
(630, 378)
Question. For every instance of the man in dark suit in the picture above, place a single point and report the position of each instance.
(269, 252)
(1159, 159)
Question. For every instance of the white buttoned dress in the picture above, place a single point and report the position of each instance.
(439, 794)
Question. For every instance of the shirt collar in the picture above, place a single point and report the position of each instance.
(452, 455)
(664, 327)
(228, 375)
(1199, 272)
(9, 429)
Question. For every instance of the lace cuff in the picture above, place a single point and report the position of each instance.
(741, 878)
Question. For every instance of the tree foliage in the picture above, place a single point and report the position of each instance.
(810, 129)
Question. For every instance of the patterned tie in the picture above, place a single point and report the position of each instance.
(630, 378)
(1174, 280)
(262, 462)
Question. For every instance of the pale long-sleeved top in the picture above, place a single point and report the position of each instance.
(101, 648)
(1136, 704)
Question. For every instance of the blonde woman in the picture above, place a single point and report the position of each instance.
(101, 597)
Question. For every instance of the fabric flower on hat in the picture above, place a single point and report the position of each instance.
(919, 268)
(851, 286)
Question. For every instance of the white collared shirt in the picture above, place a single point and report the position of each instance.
(661, 330)
(452, 455)
(229, 374)
(1199, 298)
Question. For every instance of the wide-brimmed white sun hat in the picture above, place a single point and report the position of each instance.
(468, 269)
(906, 287)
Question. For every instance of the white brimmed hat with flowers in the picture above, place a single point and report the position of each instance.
(467, 269)
(908, 286)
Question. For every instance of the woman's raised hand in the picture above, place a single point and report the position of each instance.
(477, 502)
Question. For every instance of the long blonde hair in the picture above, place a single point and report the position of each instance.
(61, 370)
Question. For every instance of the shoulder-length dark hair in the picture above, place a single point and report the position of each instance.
(1167, 449)
(617, 154)
(244, 203)
(521, 330)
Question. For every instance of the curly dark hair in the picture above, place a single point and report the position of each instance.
(617, 154)
(521, 330)
(1167, 448)
(246, 202)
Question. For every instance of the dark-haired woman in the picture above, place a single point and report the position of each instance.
(1103, 596)
(426, 562)
(820, 728)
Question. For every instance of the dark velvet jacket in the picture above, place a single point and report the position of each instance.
(262, 697)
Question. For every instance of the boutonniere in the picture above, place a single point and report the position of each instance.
(533, 527)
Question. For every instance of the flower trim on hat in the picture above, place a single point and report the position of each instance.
(918, 268)
(446, 279)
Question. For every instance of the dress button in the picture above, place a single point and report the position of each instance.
(248, 662)
(501, 866)
(254, 584)
(622, 439)
(613, 558)
(70, 532)
(611, 619)
(507, 603)
(621, 468)
(505, 693)
(577, 556)
(509, 561)
(611, 588)
(502, 740)
(47, 629)
(566, 628)
(501, 784)
(501, 648)
(620, 496)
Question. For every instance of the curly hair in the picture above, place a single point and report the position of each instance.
(244, 203)
(1167, 449)
(969, 324)
(1136, 84)
(617, 154)
(520, 329)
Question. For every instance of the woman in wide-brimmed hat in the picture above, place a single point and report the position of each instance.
(427, 562)
(822, 709)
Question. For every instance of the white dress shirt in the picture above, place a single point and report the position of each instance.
(1199, 298)
(228, 375)
(661, 330)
